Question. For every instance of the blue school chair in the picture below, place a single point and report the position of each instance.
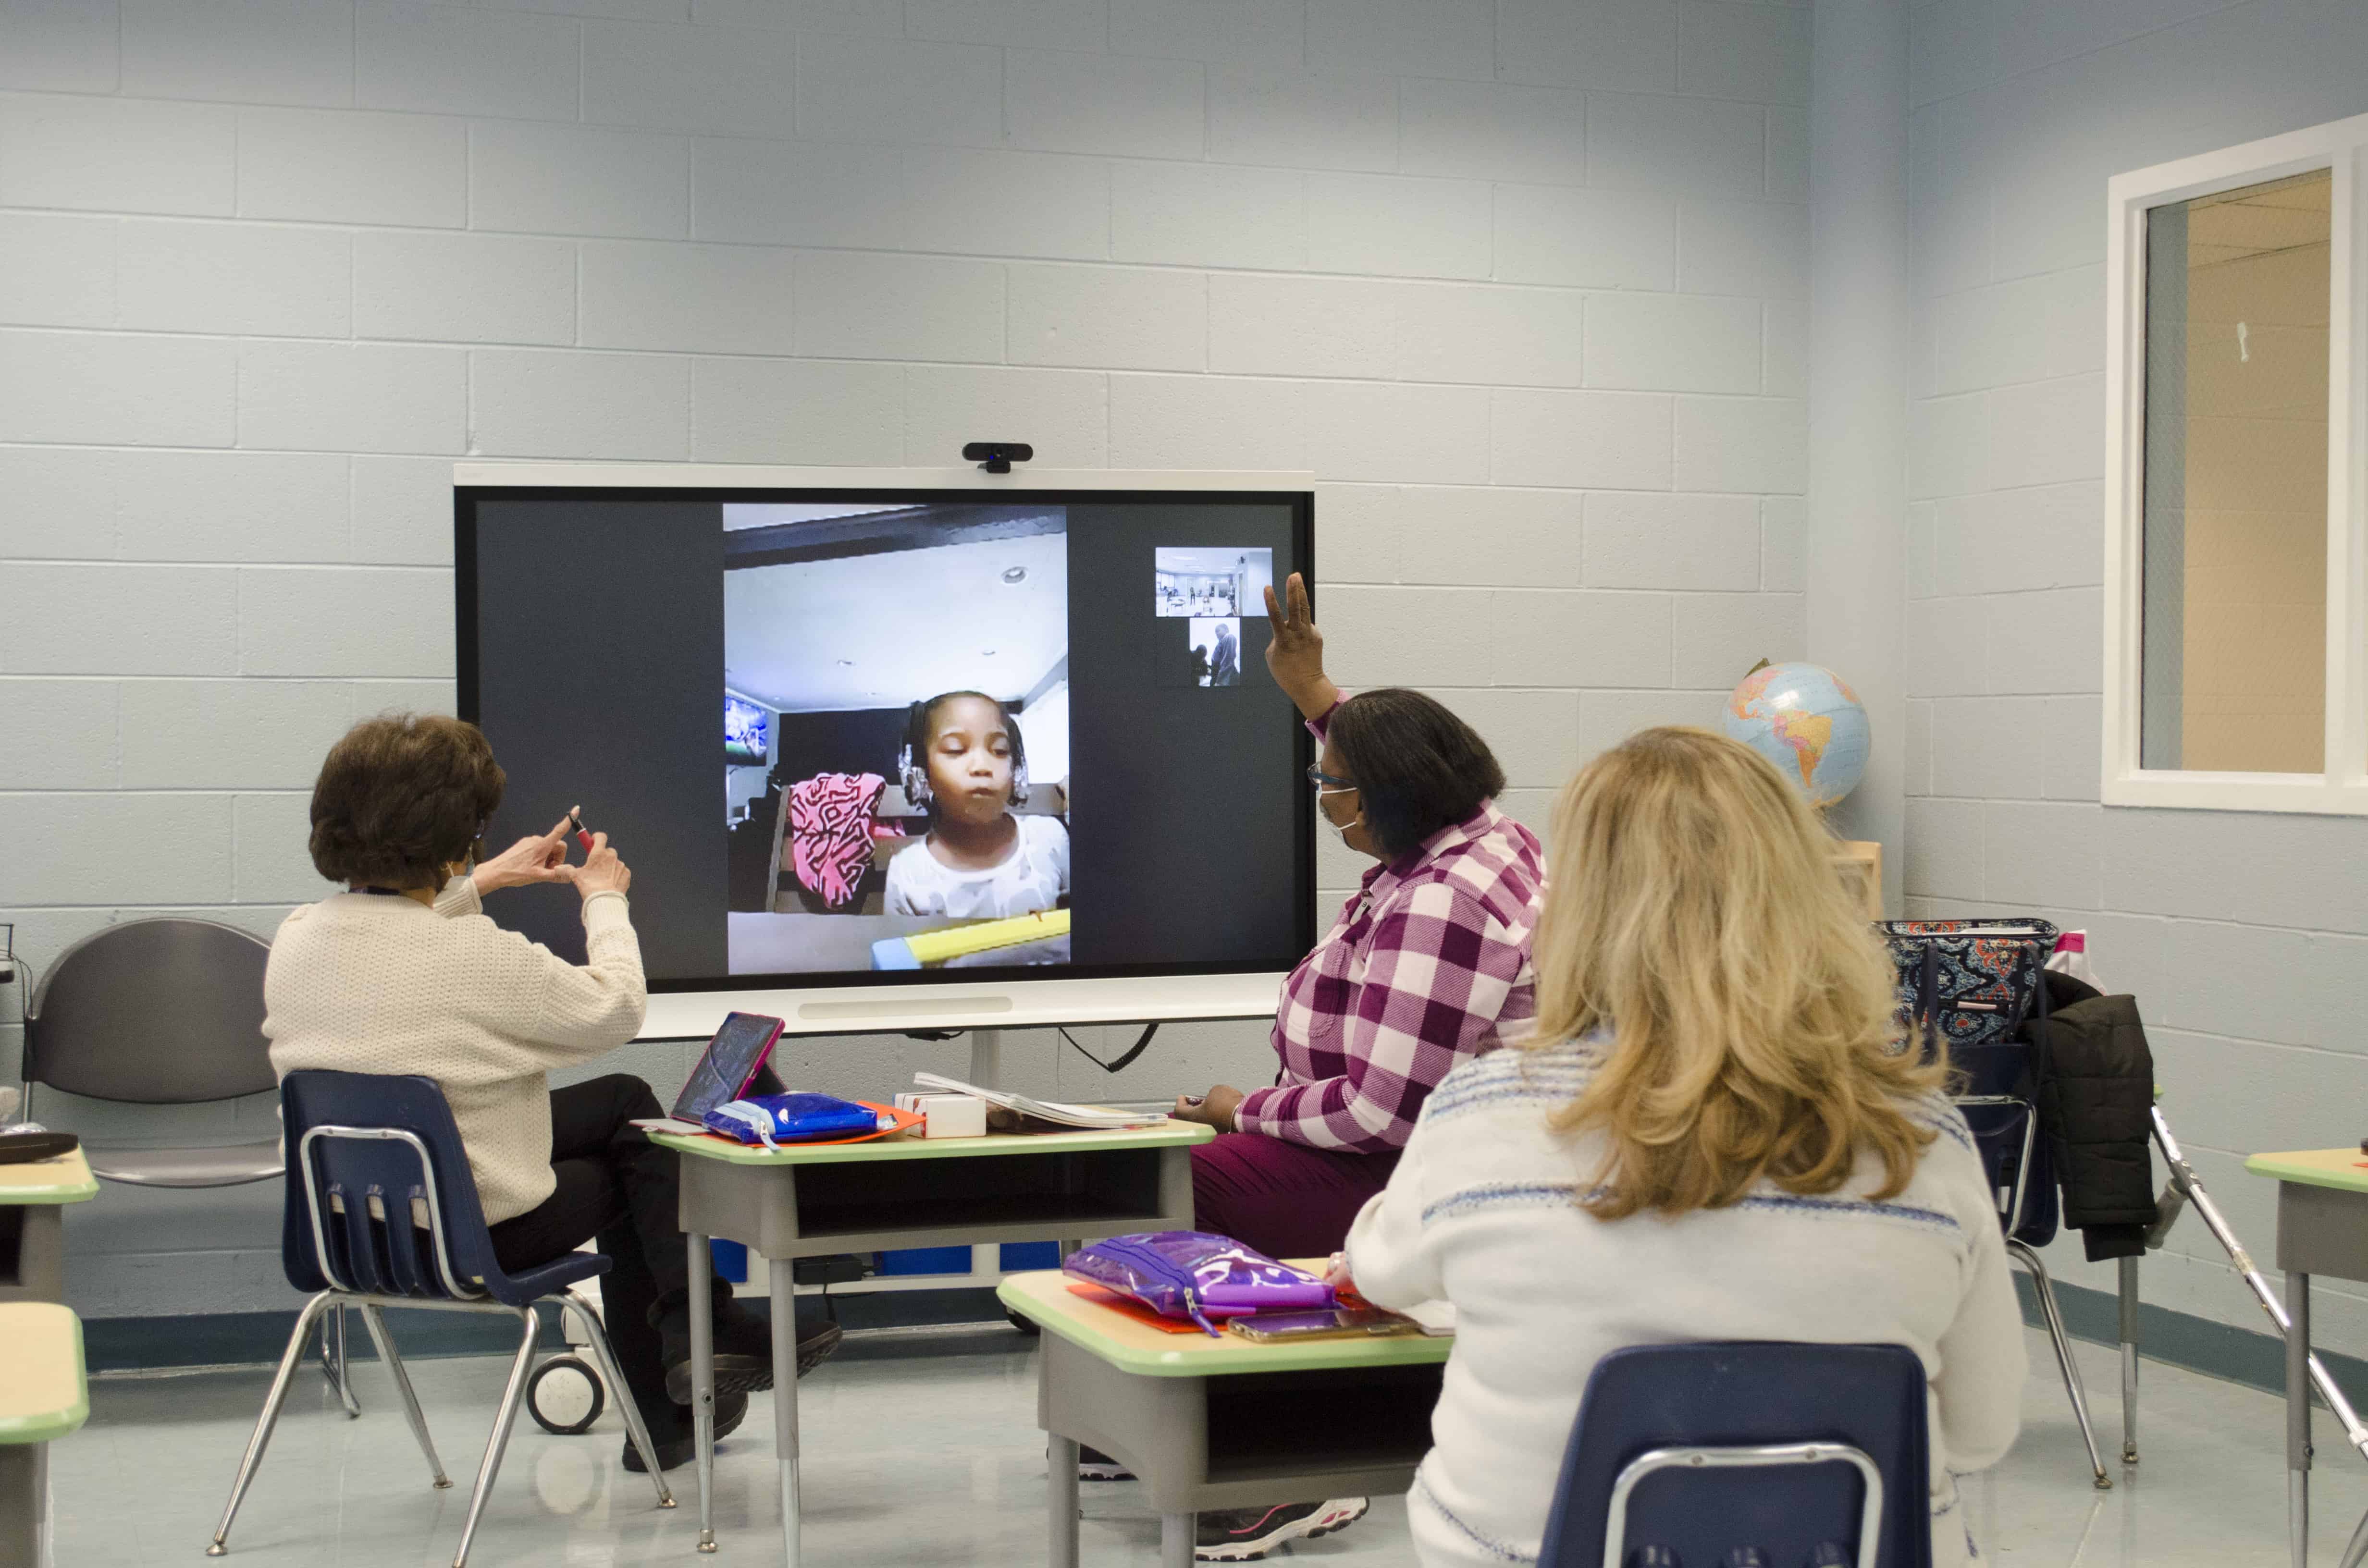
(1808, 1454)
(382, 1211)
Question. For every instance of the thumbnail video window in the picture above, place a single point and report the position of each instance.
(907, 666)
(1211, 585)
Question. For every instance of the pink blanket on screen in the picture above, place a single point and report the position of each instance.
(830, 833)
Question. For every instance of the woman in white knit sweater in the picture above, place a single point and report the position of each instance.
(404, 974)
(1713, 1135)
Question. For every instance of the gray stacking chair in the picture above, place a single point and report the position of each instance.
(156, 1012)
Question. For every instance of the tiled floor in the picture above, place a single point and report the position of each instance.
(924, 1449)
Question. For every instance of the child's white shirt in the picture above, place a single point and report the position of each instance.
(1482, 1211)
(1034, 876)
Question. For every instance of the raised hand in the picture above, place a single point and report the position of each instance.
(1296, 653)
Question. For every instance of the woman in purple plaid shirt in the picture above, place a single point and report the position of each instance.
(1427, 967)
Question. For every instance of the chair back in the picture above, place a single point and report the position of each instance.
(360, 1148)
(1978, 990)
(1702, 1448)
(153, 1012)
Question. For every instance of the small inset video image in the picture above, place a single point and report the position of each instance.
(1216, 644)
(1211, 584)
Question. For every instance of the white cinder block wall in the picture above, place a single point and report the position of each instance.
(1520, 280)
(2244, 936)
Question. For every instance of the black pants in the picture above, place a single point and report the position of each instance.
(617, 1186)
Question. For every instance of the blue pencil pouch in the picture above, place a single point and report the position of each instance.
(774, 1120)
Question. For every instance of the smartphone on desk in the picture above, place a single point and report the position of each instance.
(1337, 1323)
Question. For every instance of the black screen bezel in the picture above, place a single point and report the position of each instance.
(1301, 504)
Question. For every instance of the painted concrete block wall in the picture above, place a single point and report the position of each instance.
(1521, 283)
(2244, 936)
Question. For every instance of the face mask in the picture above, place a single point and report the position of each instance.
(1339, 831)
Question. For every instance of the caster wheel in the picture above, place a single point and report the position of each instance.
(565, 1396)
(1024, 1325)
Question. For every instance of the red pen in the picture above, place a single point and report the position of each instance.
(583, 834)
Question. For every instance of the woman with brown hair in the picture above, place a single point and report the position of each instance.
(402, 973)
(1715, 1134)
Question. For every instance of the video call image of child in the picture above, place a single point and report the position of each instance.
(909, 665)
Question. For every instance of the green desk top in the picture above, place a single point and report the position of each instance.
(43, 1395)
(1161, 1135)
(2343, 1168)
(1045, 1298)
(65, 1180)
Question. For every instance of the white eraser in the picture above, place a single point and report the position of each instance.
(946, 1115)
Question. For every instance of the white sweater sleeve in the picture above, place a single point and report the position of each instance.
(1983, 1362)
(459, 898)
(1391, 1260)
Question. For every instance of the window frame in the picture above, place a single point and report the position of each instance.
(2342, 788)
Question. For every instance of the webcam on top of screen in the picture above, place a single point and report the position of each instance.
(997, 457)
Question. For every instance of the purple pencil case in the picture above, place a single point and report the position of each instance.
(1193, 1274)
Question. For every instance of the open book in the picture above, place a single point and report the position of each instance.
(1055, 1111)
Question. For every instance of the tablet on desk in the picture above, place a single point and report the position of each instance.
(730, 1064)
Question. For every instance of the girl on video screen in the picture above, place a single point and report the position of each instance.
(965, 761)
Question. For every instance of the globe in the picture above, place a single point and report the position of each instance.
(1805, 720)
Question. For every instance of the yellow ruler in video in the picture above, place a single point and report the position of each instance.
(936, 946)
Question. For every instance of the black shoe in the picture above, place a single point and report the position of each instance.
(677, 1448)
(743, 1351)
(1095, 1465)
(818, 1340)
(1239, 1535)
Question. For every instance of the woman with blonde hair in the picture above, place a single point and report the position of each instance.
(1712, 1134)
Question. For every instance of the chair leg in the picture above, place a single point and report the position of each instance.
(499, 1439)
(597, 1336)
(334, 1364)
(289, 1360)
(2062, 1341)
(374, 1321)
(2128, 1282)
(2358, 1546)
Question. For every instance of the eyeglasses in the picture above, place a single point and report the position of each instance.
(1321, 779)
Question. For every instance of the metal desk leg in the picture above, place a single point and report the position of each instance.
(1176, 1532)
(2129, 1283)
(1061, 1476)
(784, 1309)
(702, 1380)
(2298, 1417)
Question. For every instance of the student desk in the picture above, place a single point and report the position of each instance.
(44, 1397)
(903, 1192)
(1220, 1423)
(2322, 1229)
(32, 1234)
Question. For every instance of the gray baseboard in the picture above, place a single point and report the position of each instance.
(2256, 1358)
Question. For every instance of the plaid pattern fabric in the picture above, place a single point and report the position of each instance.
(1428, 966)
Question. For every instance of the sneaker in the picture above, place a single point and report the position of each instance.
(1240, 1535)
(743, 1351)
(677, 1448)
(1095, 1465)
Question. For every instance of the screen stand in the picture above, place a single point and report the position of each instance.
(986, 1058)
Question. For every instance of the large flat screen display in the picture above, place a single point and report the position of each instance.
(971, 736)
